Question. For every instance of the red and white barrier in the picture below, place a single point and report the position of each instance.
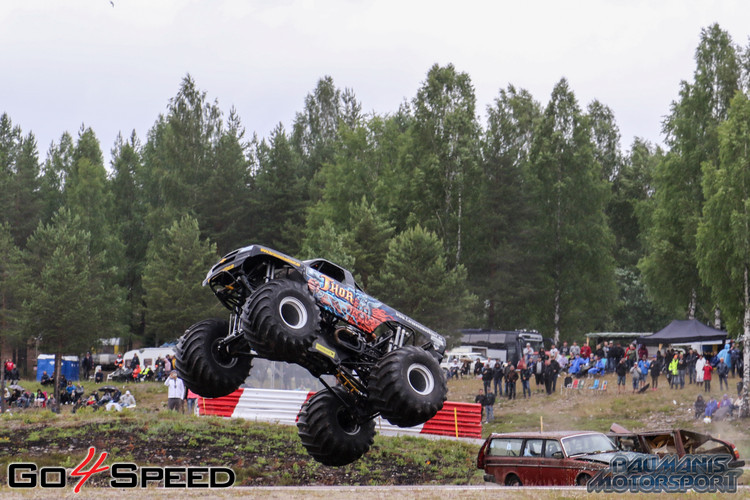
(457, 420)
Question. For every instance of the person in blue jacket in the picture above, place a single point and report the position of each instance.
(726, 355)
(599, 367)
(643, 366)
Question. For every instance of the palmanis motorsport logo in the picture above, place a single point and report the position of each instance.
(668, 474)
(120, 475)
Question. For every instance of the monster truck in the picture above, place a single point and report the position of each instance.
(312, 313)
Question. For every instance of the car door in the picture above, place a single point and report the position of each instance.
(531, 457)
(553, 467)
(502, 458)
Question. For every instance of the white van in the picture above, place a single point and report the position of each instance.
(147, 356)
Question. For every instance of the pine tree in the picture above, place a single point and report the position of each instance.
(71, 302)
(279, 195)
(172, 280)
(415, 279)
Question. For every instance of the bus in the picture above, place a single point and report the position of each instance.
(507, 346)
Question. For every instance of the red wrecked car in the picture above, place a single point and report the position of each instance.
(566, 458)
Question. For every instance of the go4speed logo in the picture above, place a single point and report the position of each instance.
(121, 475)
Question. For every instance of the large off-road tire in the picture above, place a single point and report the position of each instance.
(203, 368)
(330, 432)
(407, 386)
(281, 320)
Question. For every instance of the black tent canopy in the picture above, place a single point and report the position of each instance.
(684, 332)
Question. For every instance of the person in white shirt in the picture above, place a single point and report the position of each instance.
(176, 392)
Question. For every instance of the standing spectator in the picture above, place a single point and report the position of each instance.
(549, 375)
(617, 354)
(135, 361)
(599, 352)
(489, 404)
(707, 368)
(690, 361)
(555, 372)
(528, 352)
(478, 367)
(722, 370)
(510, 382)
(673, 382)
(87, 364)
(642, 352)
(643, 367)
(565, 349)
(734, 356)
(525, 374)
(487, 378)
(538, 372)
(191, 399)
(586, 352)
(700, 362)
(553, 352)
(681, 369)
(656, 367)
(175, 392)
(481, 399)
(497, 377)
(631, 354)
(609, 352)
(726, 355)
(574, 349)
(454, 368)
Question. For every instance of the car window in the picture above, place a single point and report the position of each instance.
(505, 447)
(551, 447)
(533, 448)
(587, 443)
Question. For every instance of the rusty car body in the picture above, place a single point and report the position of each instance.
(678, 442)
(563, 458)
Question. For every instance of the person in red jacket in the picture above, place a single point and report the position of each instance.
(585, 351)
(707, 377)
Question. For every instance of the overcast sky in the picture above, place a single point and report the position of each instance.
(113, 66)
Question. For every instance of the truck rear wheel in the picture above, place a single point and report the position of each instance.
(330, 431)
(407, 386)
(281, 320)
(205, 369)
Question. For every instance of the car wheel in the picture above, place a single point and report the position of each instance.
(512, 480)
(281, 320)
(407, 386)
(330, 432)
(583, 479)
(204, 369)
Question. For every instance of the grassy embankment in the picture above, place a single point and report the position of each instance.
(265, 454)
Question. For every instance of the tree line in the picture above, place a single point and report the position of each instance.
(532, 218)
